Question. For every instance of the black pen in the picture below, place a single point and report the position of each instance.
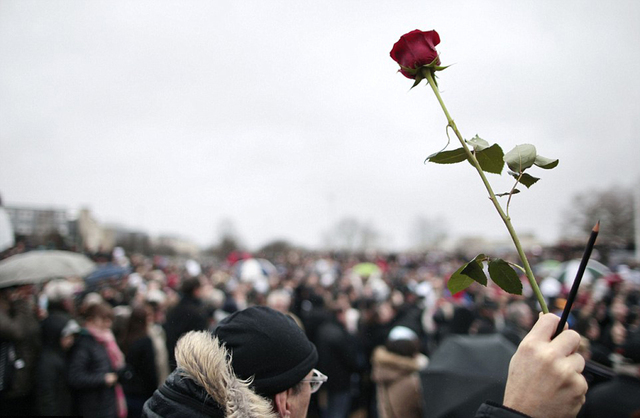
(578, 279)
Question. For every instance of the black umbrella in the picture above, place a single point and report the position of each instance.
(464, 372)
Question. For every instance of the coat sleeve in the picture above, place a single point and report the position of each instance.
(80, 375)
(493, 410)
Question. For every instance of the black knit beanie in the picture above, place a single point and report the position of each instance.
(268, 345)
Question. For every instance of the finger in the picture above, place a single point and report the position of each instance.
(544, 328)
(567, 342)
(577, 362)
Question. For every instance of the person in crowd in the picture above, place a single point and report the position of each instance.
(340, 357)
(188, 315)
(243, 371)
(619, 397)
(518, 321)
(395, 370)
(53, 392)
(140, 357)
(158, 337)
(94, 363)
(280, 300)
(259, 363)
(59, 295)
(19, 349)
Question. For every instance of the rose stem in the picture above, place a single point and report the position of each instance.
(505, 218)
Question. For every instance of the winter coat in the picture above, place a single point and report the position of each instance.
(20, 329)
(204, 385)
(339, 356)
(88, 364)
(141, 363)
(53, 395)
(398, 387)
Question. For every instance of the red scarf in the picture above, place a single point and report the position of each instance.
(108, 341)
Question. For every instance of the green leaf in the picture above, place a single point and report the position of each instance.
(526, 179)
(515, 191)
(546, 163)
(448, 157)
(478, 143)
(467, 274)
(458, 282)
(505, 276)
(474, 270)
(491, 159)
(521, 157)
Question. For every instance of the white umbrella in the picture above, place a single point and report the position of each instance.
(566, 272)
(39, 266)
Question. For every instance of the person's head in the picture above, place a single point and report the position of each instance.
(403, 341)
(59, 295)
(58, 332)
(280, 300)
(191, 287)
(520, 315)
(99, 315)
(269, 347)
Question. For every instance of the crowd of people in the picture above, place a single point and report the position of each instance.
(68, 347)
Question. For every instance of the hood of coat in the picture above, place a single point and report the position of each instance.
(388, 366)
(204, 377)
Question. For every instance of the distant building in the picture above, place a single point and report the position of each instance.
(38, 222)
(171, 244)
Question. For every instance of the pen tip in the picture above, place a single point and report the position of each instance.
(596, 228)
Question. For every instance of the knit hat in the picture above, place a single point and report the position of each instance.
(268, 345)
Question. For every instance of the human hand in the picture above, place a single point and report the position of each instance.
(110, 379)
(545, 377)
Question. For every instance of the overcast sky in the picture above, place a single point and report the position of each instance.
(286, 116)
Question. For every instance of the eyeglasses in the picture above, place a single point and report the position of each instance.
(316, 380)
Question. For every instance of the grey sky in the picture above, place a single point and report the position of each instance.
(285, 116)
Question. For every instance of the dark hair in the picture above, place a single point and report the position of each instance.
(406, 348)
(190, 285)
(136, 327)
(99, 310)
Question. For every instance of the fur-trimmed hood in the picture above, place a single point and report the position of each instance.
(204, 384)
(388, 366)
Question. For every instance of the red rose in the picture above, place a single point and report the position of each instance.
(415, 49)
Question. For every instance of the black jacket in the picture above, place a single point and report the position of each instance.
(339, 355)
(142, 365)
(188, 315)
(53, 396)
(88, 364)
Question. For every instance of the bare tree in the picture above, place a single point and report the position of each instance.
(428, 233)
(612, 206)
(349, 234)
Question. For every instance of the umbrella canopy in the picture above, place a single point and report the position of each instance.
(106, 272)
(566, 272)
(464, 372)
(366, 269)
(39, 266)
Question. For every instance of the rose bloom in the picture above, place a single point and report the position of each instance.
(415, 49)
